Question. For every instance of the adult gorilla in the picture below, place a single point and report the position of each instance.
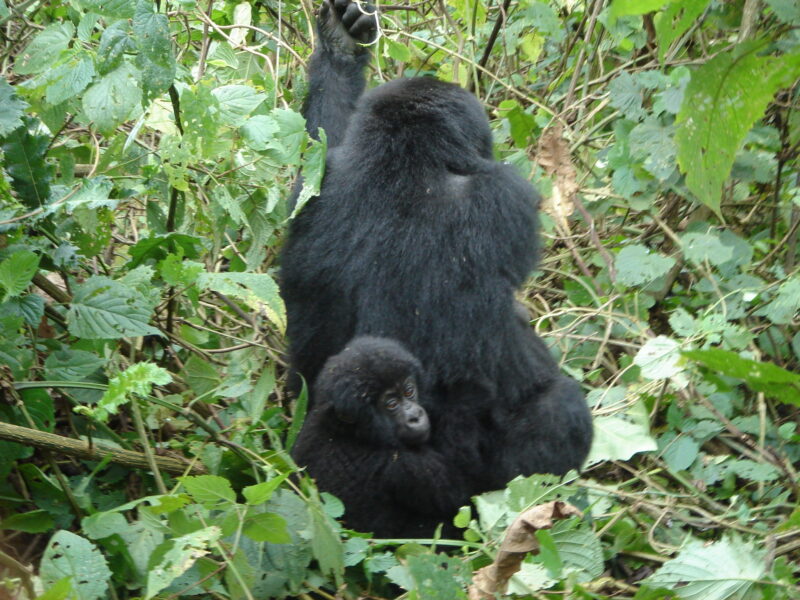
(419, 235)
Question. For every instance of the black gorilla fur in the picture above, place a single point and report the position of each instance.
(419, 235)
(375, 458)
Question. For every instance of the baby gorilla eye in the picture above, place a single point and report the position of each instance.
(391, 403)
(409, 390)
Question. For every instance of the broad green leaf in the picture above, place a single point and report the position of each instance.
(637, 265)
(266, 527)
(114, 43)
(258, 290)
(701, 247)
(437, 576)
(44, 49)
(787, 11)
(261, 492)
(620, 436)
(70, 79)
(654, 142)
(720, 106)
(35, 521)
(398, 51)
(155, 58)
(60, 590)
(625, 94)
(724, 570)
(113, 98)
(120, 9)
(622, 8)
(760, 376)
(679, 451)
(674, 20)
(313, 170)
(236, 102)
(30, 307)
(783, 308)
(580, 552)
(136, 380)
(325, 543)
(11, 109)
(261, 132)
(24, 161)
(70, 555)
(106, 309)
(293, 134)
(209, 490)
(182, 554)
(659, 358)
(17, 271)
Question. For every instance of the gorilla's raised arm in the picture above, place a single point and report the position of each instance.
(336, 68)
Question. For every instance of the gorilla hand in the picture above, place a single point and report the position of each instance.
(345, 24)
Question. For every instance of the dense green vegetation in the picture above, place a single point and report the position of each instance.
(147, 151)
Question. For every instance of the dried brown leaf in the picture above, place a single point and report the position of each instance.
(519, 540)
(552, 154)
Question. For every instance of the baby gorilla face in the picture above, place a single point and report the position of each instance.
(400, 405)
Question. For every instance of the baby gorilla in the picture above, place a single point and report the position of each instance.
(364, 441)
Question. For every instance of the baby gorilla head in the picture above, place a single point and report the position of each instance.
(370, 389)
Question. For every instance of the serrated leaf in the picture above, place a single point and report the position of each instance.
(326, 544)
(236, 102)
(313, 171)
(70, 79)
(724, 570)
(11, 108)
(266, 527)
(720, 106)
(637, 265)
(260, 133)
(136, 380)
(120, 9)
(261, 492)
(626, 96)
(258, 290)
(70, 555)
(114, 43)
(182, 554)
(29, 307)
(398, 51)
(659, 358)
(17, 271)
(44, 49)
(209, 490)
(155, 59)
(701, 247)
(783, 308)
(620, 436)
(654, 142)
(24, 160)
(105, 309)
(112, 99)
(580, 551)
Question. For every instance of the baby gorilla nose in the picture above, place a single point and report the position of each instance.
(417, 426)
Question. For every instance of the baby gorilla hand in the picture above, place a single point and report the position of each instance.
(345, 24)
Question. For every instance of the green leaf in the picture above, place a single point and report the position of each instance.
(236, 102)
(106, 309)
(29, 307)
(258, 290)
(60, 590)
(760, 376)
(725, 570)
(674, 20)
(155, 58)
(70, 555)
(44, 49)
(114, 43)
(313, 170)
(293, 134)
(437, 577)
(787, 11)
(637, 265)
(261, 492)
(70, 79)
(11, 109)
(266, 527)
(260, 133)
(701, 247)
(398, 51)
(580, 550)
(120, 9)
(659, 358)
(654, 142)
(183, 552)
(720, 106)
(626, 96)
(35, 521)
(209, 490)
(112, 99)
(620, 436)
(325, 543)
(24, 161)
(17, 271)
(783, 309)
(622, 8)
(136, 380)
